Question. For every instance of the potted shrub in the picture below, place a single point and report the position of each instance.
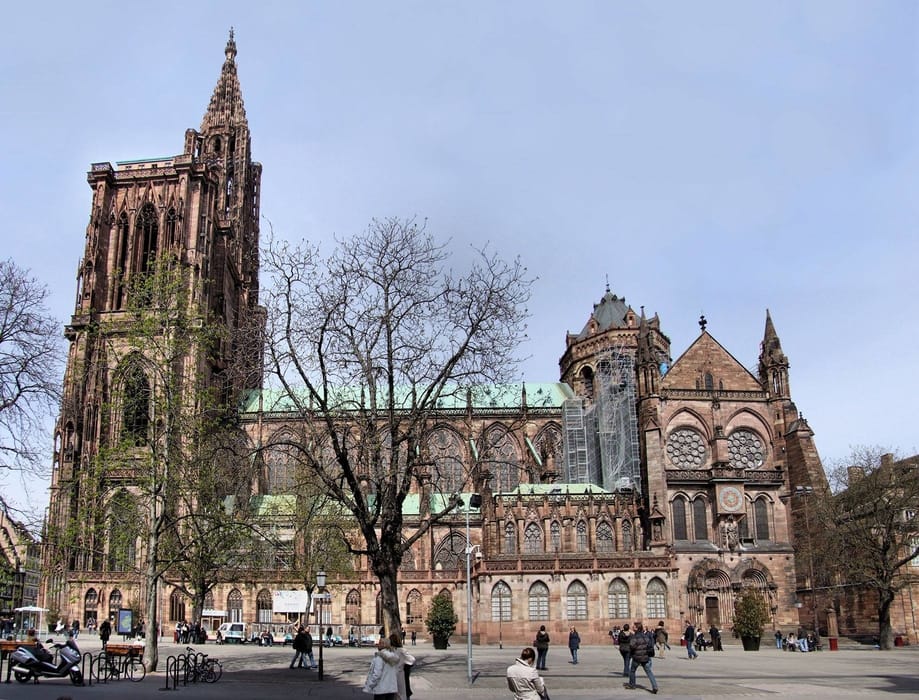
(441, 621)
(750, 617)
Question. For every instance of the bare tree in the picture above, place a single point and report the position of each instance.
(869, 532)
(30, 370)
(365, 344)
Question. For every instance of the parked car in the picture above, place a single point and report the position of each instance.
(235, 632)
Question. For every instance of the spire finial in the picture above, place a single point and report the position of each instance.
(702, 322)
(607, 284)
(230, 50)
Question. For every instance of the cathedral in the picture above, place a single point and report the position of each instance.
(637, 486)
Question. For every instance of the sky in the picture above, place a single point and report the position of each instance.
(710, 157)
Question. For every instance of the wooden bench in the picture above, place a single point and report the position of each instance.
(124, 649)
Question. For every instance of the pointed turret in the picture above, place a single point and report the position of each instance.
(226, 107)
(773, 364)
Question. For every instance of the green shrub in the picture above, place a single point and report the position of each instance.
(441, 619)
(750, 613)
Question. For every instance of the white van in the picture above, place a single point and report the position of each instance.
(236, 632)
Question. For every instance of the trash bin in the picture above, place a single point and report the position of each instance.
(834, 644)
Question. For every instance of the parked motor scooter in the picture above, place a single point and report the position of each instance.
(34, 663)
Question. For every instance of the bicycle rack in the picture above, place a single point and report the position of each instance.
(87, 677)
(172, 663)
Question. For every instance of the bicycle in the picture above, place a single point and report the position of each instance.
(203, 668)
(112, 667)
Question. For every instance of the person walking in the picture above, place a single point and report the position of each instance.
(299, 645)
(689, 637)
(403, 667)
(715, 635)
(625, 638)
(105, 631)
(574, 643)
(542, 648)
(382, 681)
(308, 647)
(75, 629)
(778, 639)
(523, 680)
(642, 649)
(660, 639)
(414, 637)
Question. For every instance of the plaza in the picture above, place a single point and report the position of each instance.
(258, 672)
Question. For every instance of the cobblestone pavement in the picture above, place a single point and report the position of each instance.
(256, 672)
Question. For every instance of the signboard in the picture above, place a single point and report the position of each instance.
(125, 622)
(289, 601)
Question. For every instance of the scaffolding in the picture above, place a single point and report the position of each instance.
(601, 440)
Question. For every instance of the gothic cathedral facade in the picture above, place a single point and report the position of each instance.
(641, 487)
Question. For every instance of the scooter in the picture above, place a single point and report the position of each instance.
(37, 662)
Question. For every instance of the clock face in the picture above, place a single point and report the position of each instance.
(730, 499)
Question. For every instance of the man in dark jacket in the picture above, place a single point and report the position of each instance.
(641, 648)
(624, 638)
(690, 638)
(299, 645)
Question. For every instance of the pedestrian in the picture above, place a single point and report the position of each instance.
(105, 631)
(308, 648)
(299, 646)
(642, 650)
(414, 637)
(542, 648)
(715, 635)
(574, 643)
(523, 680)
(58, 628)
(75, 629)
(382, 681)
(625, 637)
(328, 637)
(660, 639)
(778, 639)
(689, 636)
(404, 666)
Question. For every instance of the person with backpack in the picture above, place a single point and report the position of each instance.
(625, 638)
(642, 650)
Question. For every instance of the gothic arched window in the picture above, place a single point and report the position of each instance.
(618, 604)
(114, 604)
(414, 610)
(503, 461)
(587, 380)
(122, 271)
(122, 532)
(576, 601)
(604, 537)
(446, 453)
(699, 520)
(581, 537)
(510, 537)
(263, 607)
(353, 607)
(501, 602)
(135, 411)
(555, 533)
(148, 233)
(761, 518)
(539, 601)
(280, 469)
(450, 553)
(532, 539)
(171, 220)
(176, 606)
(90, 604)
(656, 595)
(235, 606)
(678, 509)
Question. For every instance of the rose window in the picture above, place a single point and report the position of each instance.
(745, 449)
(686, 449)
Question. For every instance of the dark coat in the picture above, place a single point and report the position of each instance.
(639, 647)
(625, 638)
(542, 640)
(300, 641)
(574, 640)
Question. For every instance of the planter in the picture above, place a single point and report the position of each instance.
(440, 642)
(750, 643)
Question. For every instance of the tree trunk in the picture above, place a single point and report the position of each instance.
(389, 598)
(151, 614)
(885, 635)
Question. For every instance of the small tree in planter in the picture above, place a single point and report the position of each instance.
(750, 617)
(441, 620)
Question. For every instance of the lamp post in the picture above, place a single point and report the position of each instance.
(320, 587)
(473, 501)
(804, 492)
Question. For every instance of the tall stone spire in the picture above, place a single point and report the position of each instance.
(773, 364)
(226, 107)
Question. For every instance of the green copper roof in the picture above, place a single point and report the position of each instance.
(482, 397)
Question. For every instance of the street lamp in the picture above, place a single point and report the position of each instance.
(473, 501)
(320, 587)
(804, 492)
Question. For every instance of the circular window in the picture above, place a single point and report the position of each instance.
(686, 449)
(745, 449)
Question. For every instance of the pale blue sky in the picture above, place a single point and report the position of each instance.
(715, 157)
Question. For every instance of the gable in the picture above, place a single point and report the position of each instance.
(706, 355)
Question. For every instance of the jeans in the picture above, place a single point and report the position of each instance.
(626, 660)
(541, 659)
(778, 643)
(299, 656)
(574, 654)
(690, 651)
(647, 667)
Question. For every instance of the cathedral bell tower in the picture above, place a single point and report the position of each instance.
(199, 212)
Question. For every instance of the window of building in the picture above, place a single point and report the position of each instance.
(555, 533)
(122, 532)
(656, 595)
(263, 607)
(176, 606)
(628, 541)
(678, 508)
(510, 538)
(235, 606)
(501, 602)
(761, 519)
(353, 607)
(414, 611)
(90, 605)
(699, 520)
(122, 271)
(280, 469)
(114, 604)
(503, 461)
(148, 233)
(576, 601)
(446, 455)
(450, 554)
(135, 412)
(532, 539)
(618, 599)
(539, 601)
(604, 537)
(581, 537)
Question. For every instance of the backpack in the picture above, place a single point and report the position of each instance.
(650, 637)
